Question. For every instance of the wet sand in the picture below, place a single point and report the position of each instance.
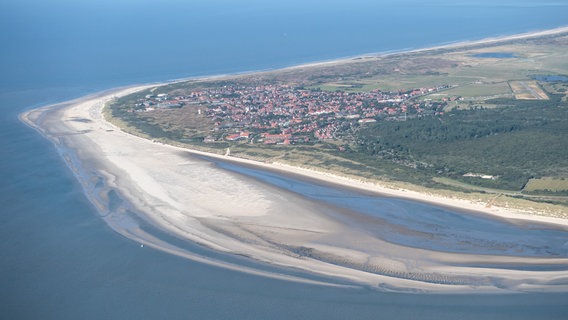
(229, 212)
(134, 181)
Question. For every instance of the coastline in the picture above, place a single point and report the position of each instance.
(225, 231)
(347, 59)
(121, 218)
(449, 46)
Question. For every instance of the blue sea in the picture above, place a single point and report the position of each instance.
(58, 258)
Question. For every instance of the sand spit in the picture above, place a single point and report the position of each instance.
(195, 200)
(133, 181)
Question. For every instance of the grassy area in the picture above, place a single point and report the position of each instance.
(476, 77)
(403, 82)
(361, 86)
(469, 187)
(475, 91)
(547, 184)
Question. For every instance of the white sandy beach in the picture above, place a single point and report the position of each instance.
(195, 200)
(226, 212)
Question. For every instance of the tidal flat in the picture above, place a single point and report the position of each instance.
(315, 227)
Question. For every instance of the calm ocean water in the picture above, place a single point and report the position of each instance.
(59, 260)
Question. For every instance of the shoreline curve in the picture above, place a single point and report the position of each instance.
(257, 229)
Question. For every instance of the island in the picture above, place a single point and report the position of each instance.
(459, 151)
(485, 117)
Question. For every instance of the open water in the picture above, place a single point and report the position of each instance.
(59, 260)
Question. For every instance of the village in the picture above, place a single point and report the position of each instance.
(282, 114)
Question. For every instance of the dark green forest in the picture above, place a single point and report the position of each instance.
(515, 142)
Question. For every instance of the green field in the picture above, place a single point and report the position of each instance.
(476, 91)
(547, 184)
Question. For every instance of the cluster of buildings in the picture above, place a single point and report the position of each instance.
(153, 102)
(285, 114)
